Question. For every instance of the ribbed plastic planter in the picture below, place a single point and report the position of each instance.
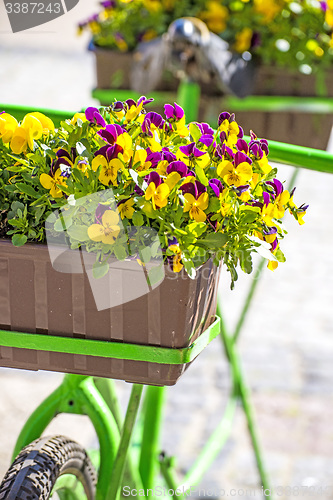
(113, 70)
(35, 298)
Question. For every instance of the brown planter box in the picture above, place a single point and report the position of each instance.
(270, 80)
(113, 70)
(35, 298)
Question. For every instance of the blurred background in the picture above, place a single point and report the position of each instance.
(286, 345)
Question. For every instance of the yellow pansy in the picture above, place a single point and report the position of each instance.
(108, 231)
(235, 176)
(109, 169)
(196, 207)
(8, 125)
(126, 209)
(158, 195)
(52, 183)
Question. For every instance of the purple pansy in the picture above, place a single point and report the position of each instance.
(277, 186)
(205, 128)
(179, 167)
(194, 188)
(207, 140)
(110, 152)
(216, 186)
(150, 119)
(153, 177)
(111, 132)
(191, 150)
(242, 145)
(100, 210)
(225, 116)
(95, 117)
(241, 157)
(173, 112)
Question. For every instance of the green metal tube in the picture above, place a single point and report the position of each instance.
(188, 97)
(107, 388)
(126, 434)
(245, 397)
(19, 112)
(212, 447)
(313, 159)
(107, 432)
(153, 405)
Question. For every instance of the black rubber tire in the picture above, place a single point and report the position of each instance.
(36, 469)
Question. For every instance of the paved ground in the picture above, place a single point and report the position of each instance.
(287, 343)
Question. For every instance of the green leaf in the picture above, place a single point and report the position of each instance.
(189, 267)
(195, 132)
(246, 261)
(100, 269)
(214, 204)
(120, 252)
(137, 219)
(280, 255)
(214, 240)
(78, 232)
(145, 254)
(16, 205)
(156, 274)
(27, 189)
(196, 228)
(201, 175)
(19, 240)
(16, 222)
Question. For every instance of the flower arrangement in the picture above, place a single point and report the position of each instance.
(207, 194)
(292, 33)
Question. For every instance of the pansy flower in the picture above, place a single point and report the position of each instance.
(175, 115)
(238, 172)
(157, 191)
(190, 154)
(107, 232)
(125, 208)
(175, 171)
(8, 125)
(94, 117)
(52, 183)
(229, 129)
(196, 200)
(110, 166)
(24, 135)
(176, 263)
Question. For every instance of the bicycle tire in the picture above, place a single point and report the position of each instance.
(34, 472)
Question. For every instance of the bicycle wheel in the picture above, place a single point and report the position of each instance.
(34, 473)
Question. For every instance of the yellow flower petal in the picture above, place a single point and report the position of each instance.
(203, 200)
(8, 125)
(96, 232)
(98, 161)
(46, 181)
(110, 218)
(245, 170)
(19, 142)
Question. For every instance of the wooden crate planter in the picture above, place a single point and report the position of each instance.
(35, 298)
